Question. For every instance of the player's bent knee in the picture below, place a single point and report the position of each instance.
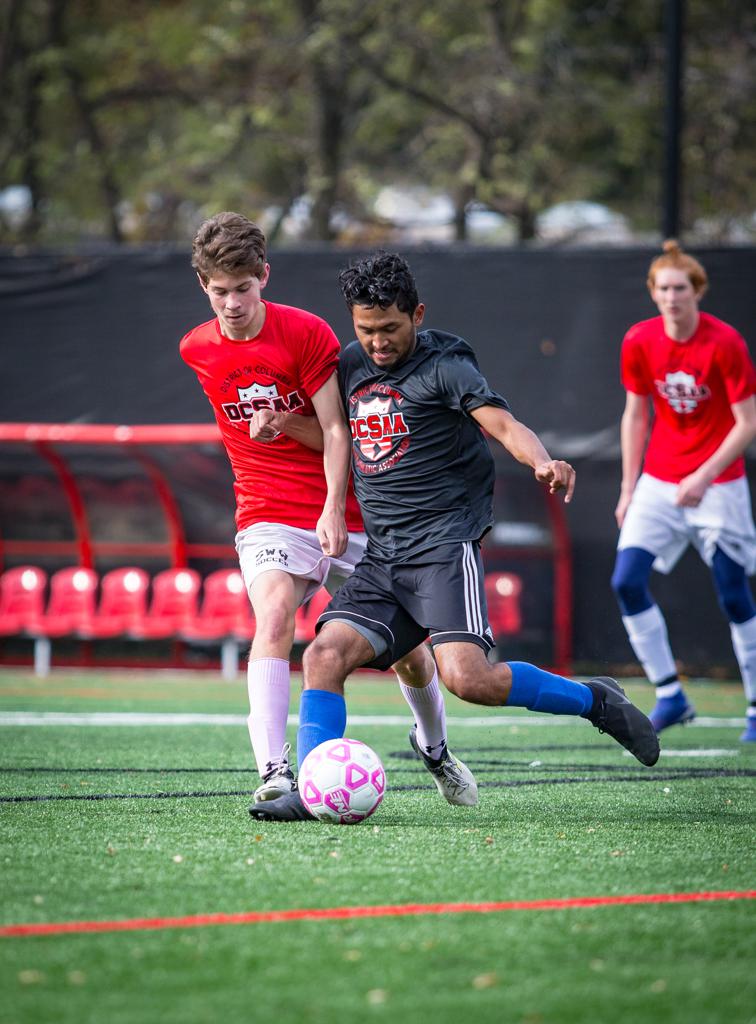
(459, 682)
(733, 591)
(415, 668)
(473, 679)
(320, 654)
(630, 580)
(276, 627)
(328, 656)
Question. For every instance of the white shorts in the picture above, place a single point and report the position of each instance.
(266, 546)
(723, 519)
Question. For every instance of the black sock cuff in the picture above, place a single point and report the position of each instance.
(670, 679)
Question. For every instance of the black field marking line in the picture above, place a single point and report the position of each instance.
(48, 797)
(128, 771)
(641, 776)
(674, 775)
(414, 767)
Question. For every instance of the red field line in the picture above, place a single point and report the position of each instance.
(340, 913)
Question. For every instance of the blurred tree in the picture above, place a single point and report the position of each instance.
(134, 120)
(719, 131)
(515, 104)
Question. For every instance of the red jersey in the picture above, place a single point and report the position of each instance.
(692, 384)
(279, 481)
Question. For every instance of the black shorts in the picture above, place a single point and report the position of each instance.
(440, 594)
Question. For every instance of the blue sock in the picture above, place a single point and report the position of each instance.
(542, 691)
(322, 716)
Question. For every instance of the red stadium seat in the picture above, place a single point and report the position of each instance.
(308, 614)
(503, 591)
(71, 607)
(70, 611)
(22, 599)
(123, 604)
(225, 615)
(173, 606)
(225, 609)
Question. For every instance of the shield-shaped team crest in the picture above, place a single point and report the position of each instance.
(374, 448)
(256, 390)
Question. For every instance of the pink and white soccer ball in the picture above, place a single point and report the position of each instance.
(342, 781)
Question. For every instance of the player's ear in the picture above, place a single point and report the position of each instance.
(417, 316)
(203, 284)
(265, 276)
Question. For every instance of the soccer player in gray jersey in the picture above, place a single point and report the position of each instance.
(423, 474)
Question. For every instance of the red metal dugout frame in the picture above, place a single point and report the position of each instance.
(177, 551)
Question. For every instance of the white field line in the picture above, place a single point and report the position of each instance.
(174, 718)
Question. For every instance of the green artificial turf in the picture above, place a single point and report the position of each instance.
(563, 812)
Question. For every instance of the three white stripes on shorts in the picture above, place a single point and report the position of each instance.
(473, 609)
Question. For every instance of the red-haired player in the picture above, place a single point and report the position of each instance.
(690, 487)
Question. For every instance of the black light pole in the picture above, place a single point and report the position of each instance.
(673, 17)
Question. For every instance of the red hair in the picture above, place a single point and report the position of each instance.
(675, 257)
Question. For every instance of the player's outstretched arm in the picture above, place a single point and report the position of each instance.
(331, 528)
(526, 447)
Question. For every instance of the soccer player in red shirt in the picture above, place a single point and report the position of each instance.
(269, 372)
(690, 487)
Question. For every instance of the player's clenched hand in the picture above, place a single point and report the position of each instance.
(332, 533)
(263, 425)
(559, 475)
(690, 490)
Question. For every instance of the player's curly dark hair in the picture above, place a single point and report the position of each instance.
(228, 243)
(381, 279)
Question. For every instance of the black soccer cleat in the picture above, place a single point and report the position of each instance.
(614, 714)
(288, 807)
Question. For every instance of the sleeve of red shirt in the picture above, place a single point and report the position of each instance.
(632, 365)
(736, 367)
(318, 357)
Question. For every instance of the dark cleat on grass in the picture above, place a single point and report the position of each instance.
(616, 715)
(288, 807)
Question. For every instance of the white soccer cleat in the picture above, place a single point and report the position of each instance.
(454, 780)
(278, 779)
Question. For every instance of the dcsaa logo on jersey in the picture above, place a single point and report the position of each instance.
(368, 428)
(379, 431)
(682, 392)
(260, 396)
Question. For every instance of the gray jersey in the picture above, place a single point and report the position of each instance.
(423, 472)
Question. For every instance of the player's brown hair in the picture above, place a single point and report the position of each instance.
(228, 243)
(674, 256)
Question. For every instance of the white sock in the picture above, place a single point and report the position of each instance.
(427, 705)
(668, 690)
(268, 687)
(647, 633)
(744, 644)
